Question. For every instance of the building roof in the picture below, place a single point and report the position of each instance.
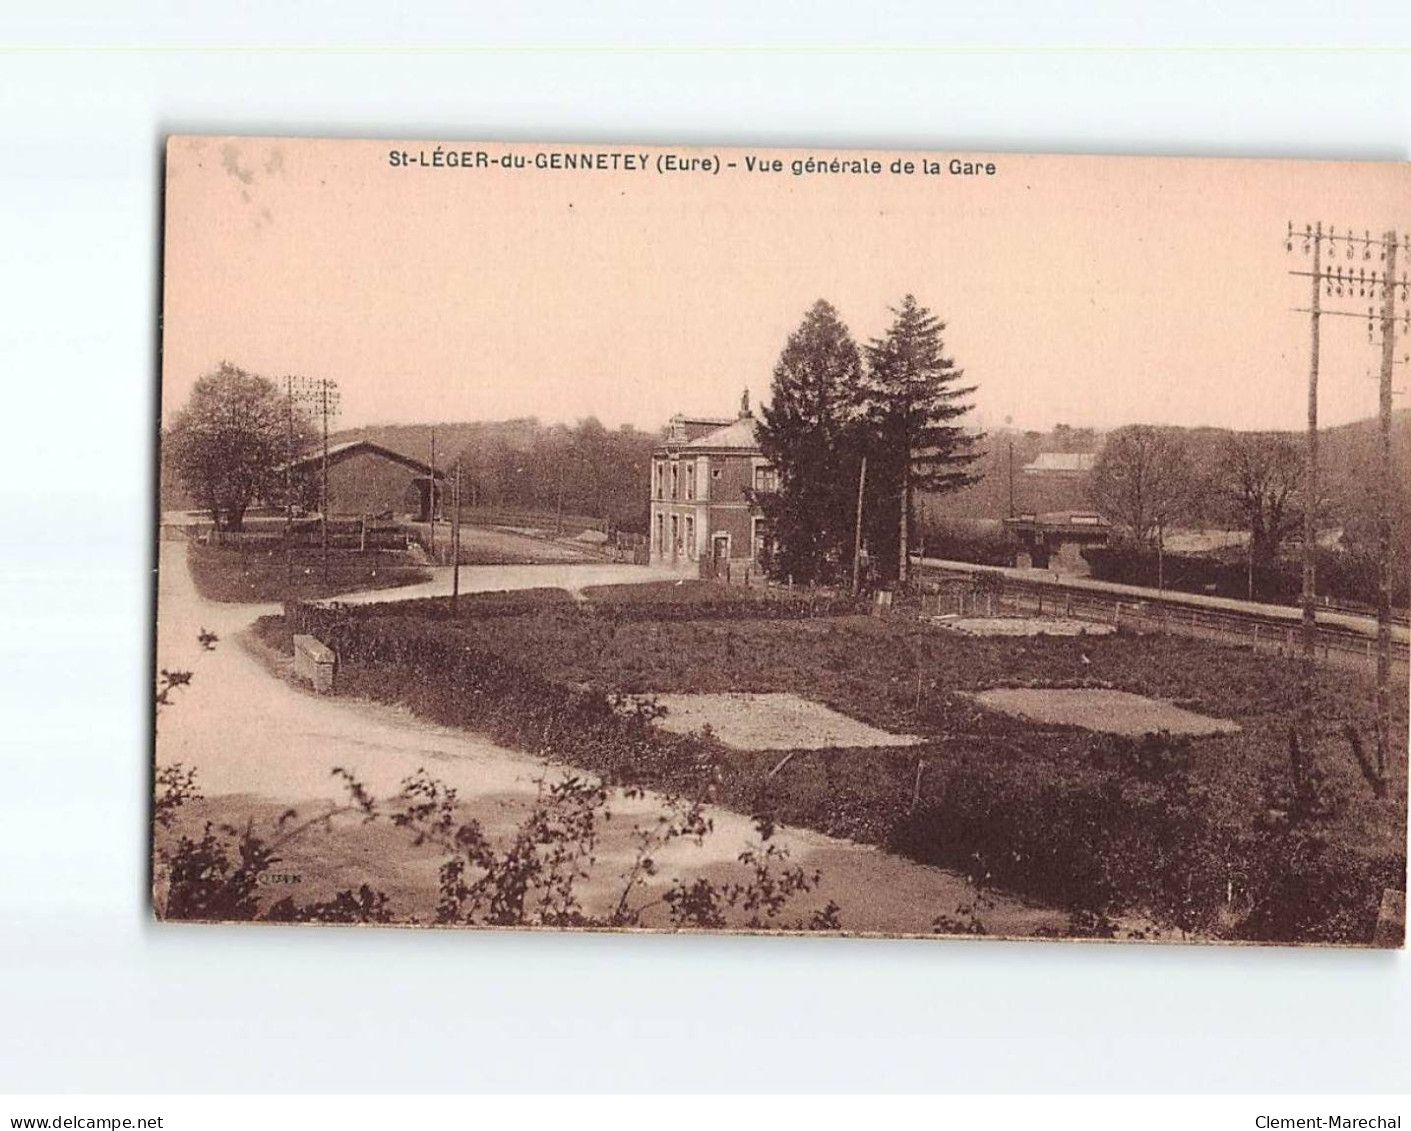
(682, 429)
(1061, 463)
(1074, 521)
(737, 435)
(337, 453)
(733, 435)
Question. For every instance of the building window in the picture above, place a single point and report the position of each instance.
(690, 481)
(766, 479)
(690, 536)
(675, 535)
(661, 533)
(675, 480)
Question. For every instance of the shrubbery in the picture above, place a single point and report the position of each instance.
(1084, 837)
(533, 877)
(1126, 830)
(980, 542)
(1342, 575)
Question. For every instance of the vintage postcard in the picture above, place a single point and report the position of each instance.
(903, 544)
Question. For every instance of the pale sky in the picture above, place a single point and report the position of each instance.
(1090, 291)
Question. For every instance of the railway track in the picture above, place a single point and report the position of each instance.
(1339, 643)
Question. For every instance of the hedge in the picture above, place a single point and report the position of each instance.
(529, 602)
(1342, 575)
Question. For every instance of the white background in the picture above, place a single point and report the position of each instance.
(94, 997)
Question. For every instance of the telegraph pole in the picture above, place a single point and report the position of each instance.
(1347, 281)
(289, 488)
(456, 541)
(1011, 478)
(1310, 507)
(299, 392)
(1384, 518)
(323, 492)
(857, 530)
(431, 499)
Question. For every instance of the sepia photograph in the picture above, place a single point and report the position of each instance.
(782, 541)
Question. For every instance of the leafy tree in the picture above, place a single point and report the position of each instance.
(1142, 480)
(230, 439)
(910, 402)
(1260, 477)
(802, 435)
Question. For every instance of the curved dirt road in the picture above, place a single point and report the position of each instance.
(261, 744)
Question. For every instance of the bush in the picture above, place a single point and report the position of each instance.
(1345, 576)
(1083, 838)
(983, 543)
(533, 877)
(444, 677)
(1302, 888)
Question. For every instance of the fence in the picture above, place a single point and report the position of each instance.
(342, 535)
(1333, 646)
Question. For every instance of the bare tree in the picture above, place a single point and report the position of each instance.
(1260, 477)
(1142, 480)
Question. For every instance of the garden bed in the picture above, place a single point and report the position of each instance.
(770, 721)
(1102, 709)
(1022, 626)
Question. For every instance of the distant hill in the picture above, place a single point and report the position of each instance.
(1349, 458)
(989, 499)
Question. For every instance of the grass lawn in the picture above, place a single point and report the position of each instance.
(1052, 810)
(247, 574)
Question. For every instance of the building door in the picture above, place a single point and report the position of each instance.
(720, 554)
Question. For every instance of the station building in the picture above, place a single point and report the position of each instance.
(702, 481)
(366, 478)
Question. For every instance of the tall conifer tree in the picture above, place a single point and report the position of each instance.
(803, 434)
(910, 403)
